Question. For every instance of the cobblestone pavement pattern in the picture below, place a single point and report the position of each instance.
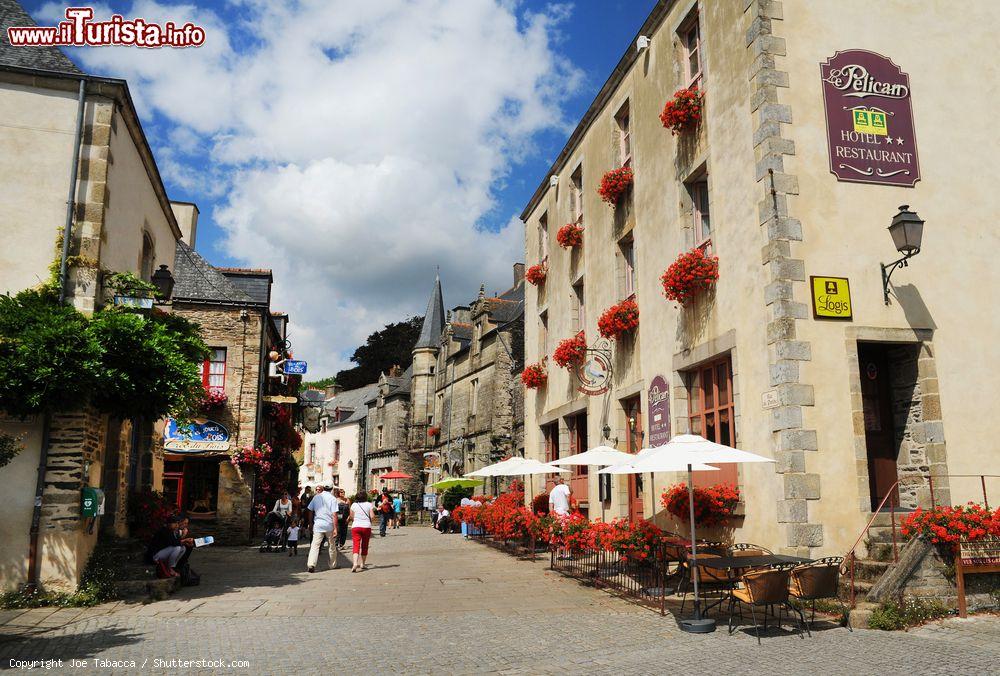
(439, 604)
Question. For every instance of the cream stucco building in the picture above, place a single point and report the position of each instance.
(331, 455)
(846, 407)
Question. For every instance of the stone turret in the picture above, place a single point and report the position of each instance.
(425, 356)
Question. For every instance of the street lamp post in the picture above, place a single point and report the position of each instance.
(907, 230)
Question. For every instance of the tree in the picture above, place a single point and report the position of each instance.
(321, 384)
(392, 346)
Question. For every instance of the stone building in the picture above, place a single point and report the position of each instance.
(233, 308)
(332, 454)
(813, 116)
(120, 220)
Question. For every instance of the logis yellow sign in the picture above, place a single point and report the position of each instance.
(831, 297)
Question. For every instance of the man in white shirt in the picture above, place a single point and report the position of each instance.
(559, 506)
(324, 519)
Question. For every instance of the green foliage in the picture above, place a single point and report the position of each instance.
(48, 359)
(392, 346)
(10, 446)
(127, 284)
(97, 585)
(318, 384)
(150, 365)
(893, 616)
(453, 497)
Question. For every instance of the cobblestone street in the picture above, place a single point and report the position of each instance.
(437, 604)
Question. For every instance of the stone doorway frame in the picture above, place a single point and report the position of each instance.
(930, 429)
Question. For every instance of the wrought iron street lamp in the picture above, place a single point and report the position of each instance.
(907, 231)
(164, 283)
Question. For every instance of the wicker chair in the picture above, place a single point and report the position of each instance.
(818, 580)
(762, 588)
(710, 580)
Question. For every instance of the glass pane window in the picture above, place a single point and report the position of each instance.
(213, 374)
(692, 47)
(700, 210)
(628, 263)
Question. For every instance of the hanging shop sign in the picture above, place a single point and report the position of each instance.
(294, 367)
(869, 119)
(831, 297)
(595, 371)
(432, 461)
(280, 399)
(195, 437)
(659, 412)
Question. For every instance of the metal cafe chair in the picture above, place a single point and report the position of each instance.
(762, 588)
(818, 580)
(748, 549)
(710, 580)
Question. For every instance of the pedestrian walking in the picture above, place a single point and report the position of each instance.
(397, 510)
(324, 517)
(293, 538)
(360, 519)
(343, 510)
(307, 496)
(385, 510)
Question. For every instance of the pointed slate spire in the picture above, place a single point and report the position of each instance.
(430, 332)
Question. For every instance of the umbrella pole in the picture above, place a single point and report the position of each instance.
(696, 624)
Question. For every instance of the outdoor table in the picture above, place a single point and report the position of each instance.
(730, 562)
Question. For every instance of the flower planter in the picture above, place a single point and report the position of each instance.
(690, 274)
(713, 506)
(950, 525)
(619, 319)
(570, 236)
(683, 112)
(571, 352)
(433, 431)
(536, 274)
(534, 376)
(614, 184)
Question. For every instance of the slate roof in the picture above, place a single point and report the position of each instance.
(253, 282)
(195, 279)
(352, 400)
(40, 58)
(430, 331)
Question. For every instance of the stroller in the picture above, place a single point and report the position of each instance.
(274, 533)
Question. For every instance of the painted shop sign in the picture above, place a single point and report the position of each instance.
(831, 297)
(869, 119)
(594, 374)
(659, 412)
(199, 436)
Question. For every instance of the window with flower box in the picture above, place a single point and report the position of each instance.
(213, 370)
(711, 413)
(543, 238)
(576, 196)
(691, 40)
(580, 306)
(700, 214)
(543, 333)
(624, 136)
(627, 268)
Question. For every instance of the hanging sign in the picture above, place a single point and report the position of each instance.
(869, 119)
(659, 412)
(294, 368)
(594, 373)
(196, 437)
(831, 297)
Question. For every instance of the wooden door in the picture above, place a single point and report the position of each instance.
(633, 425)
(880, 434)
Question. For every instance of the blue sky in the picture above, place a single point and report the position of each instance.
(353, 147)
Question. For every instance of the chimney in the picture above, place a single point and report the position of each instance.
(395, 371)
(518, 273)
(331, 391)
(186, 215)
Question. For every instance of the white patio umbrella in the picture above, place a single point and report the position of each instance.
(689, 451)
(497, 468)
(601, 456)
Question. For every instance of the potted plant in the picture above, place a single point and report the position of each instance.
(619, 319)
(534, 375)
(713, 505)
(614, 184)
(692, 272)
(536, 274)
(570, 236)
(683, 112)
(571, 352)
(433, 431)
(214, 399)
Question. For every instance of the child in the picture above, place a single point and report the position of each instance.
(293, 539)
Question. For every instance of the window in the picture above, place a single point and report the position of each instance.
(146, 264)
(312, 454)
(322, 425)
(213, 370)
(576, 195)
(628, 268)
(578, 444)
(624, 136)
(581, 307)
(379, 437)
(432, 369)
(440, 405)
(543, 238)
(336, 479)
(711, 413)
(550, 436)
(477, 336)
(336, 450)
(474, 397)
(543, 333)
(691, 38)
(700, 213)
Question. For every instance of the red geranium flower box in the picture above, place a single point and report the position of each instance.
(683, 112)
(571, 352)
(534, 376)
(950, 525)
(536, 274)
(692, 272)
(433, 431)
(619, 319)
(614, 184)
(570, 235)
(713, 505)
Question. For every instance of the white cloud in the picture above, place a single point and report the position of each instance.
(362, 142)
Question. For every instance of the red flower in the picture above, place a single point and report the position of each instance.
(713, 505)
(570, 235)
(689, 274)
(433, 431)
(951, 525)
(536, 274)
(619, 319)
(684, 111)
(534, 376)
(571, 352)
(614, 184)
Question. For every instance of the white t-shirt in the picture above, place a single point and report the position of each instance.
(443, 513)
(324, 509)
(362, 514)
(283, 509)
(293, 533)
(559, 499)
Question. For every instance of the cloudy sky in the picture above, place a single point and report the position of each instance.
(354, 146)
